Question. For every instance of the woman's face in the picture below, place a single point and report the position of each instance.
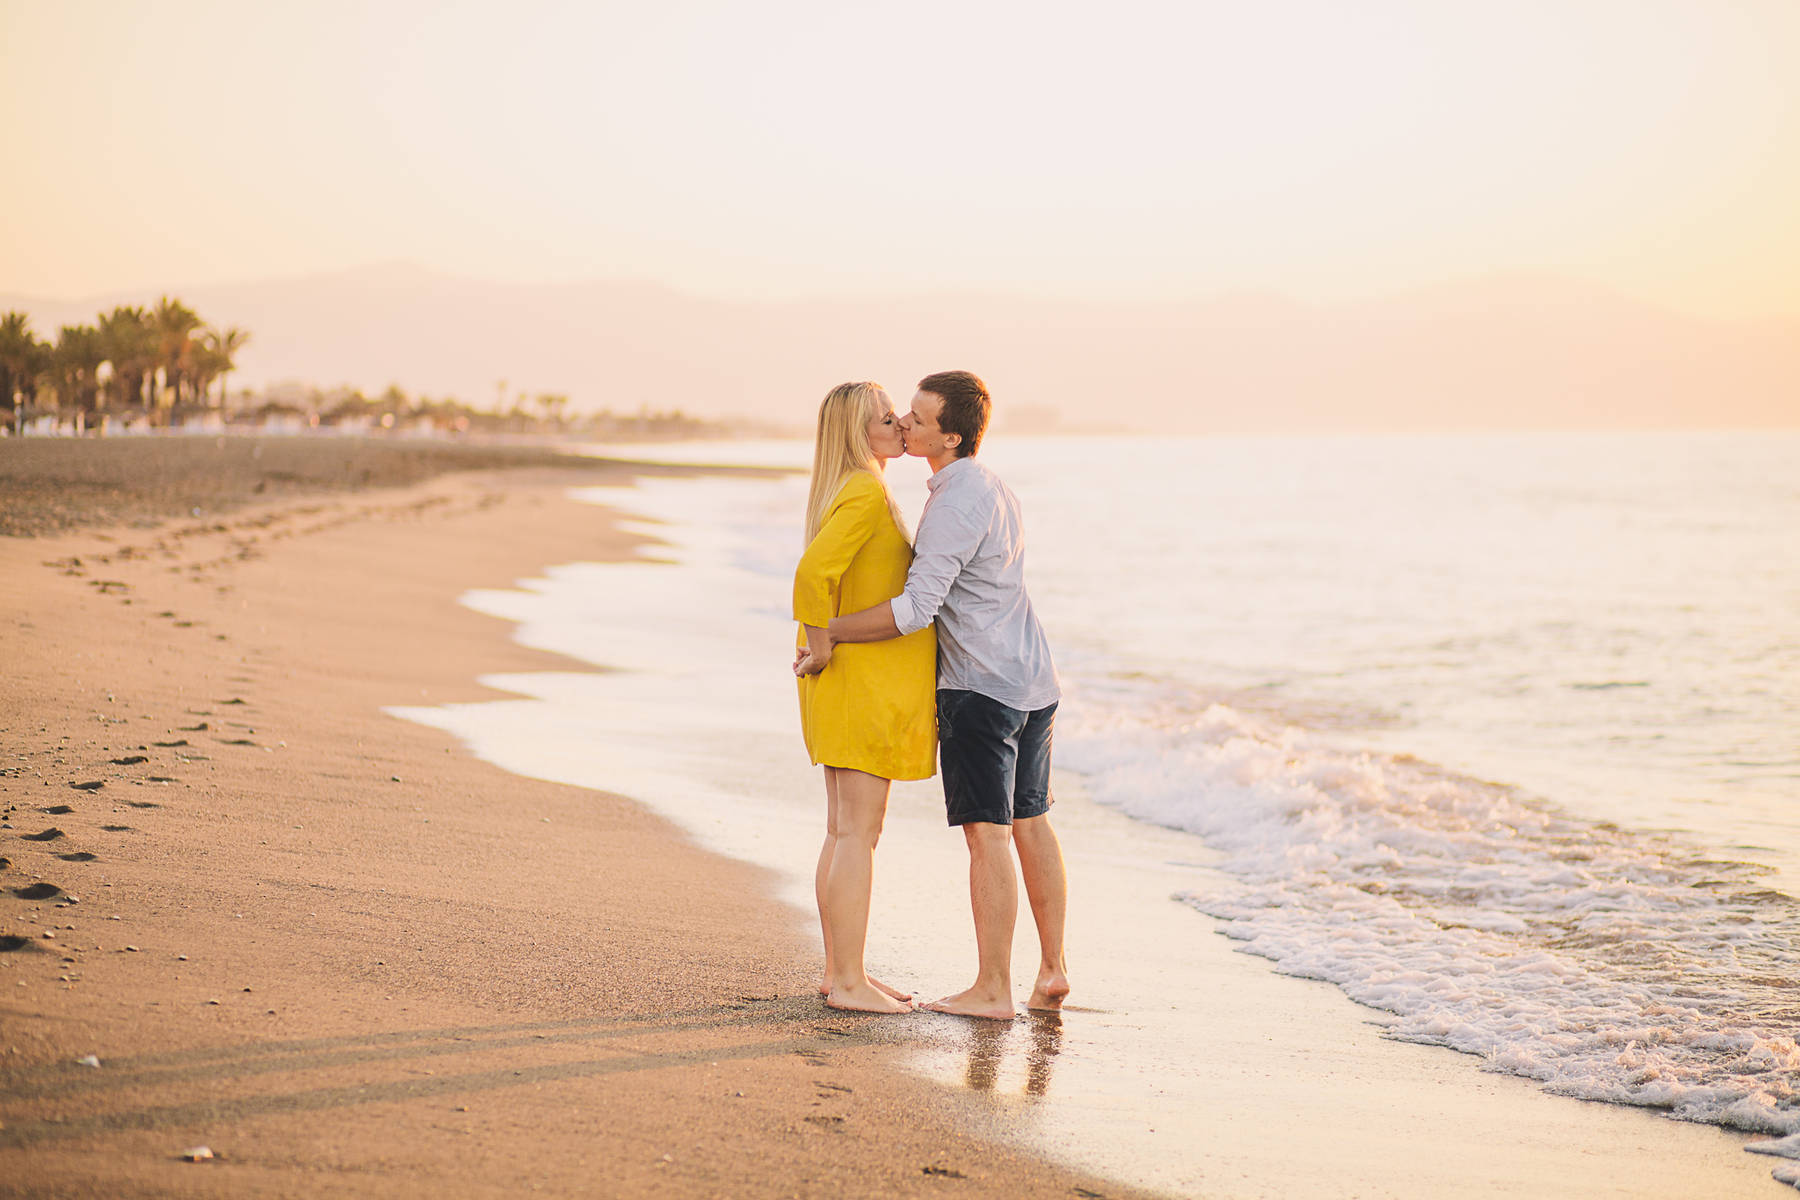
(884, 432)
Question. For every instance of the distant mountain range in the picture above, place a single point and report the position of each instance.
(1514, 352)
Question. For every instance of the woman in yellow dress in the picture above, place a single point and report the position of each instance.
(870, 716)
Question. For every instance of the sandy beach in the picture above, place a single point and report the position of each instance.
(345, 955)
(350, 957)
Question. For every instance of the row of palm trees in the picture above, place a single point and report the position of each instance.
(132, 359)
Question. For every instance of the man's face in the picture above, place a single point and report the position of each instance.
(920, 427)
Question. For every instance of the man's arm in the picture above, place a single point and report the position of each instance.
(873, 624)
(947, 541)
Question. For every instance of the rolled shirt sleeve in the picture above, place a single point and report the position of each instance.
(947, 540)
(849, 524)
(968, 572)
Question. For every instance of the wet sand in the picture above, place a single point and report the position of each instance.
(350, 958)
(1183, 1066)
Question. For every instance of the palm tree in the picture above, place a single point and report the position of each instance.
(75, 366)
(222, 346)
(129, 343)
(18, 362)
(553, 405)
(174, 324)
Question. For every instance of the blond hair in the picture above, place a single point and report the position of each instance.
(842, 449)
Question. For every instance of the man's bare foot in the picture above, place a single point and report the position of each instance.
(976, 1003)
(1048, 993)
(865, 997)
(896, 993)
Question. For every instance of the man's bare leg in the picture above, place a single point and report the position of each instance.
(861, 808)
(994, 897)
(1047, 885)
(819, 875)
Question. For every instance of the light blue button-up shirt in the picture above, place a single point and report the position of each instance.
(968, 571)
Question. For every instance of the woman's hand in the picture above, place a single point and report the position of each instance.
(815, 656)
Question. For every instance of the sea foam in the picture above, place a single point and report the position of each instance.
(1609, 964)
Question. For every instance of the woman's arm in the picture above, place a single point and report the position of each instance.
(849, 524)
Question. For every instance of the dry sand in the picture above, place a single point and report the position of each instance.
(349, 957)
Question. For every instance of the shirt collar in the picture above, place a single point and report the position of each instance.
(950, 471)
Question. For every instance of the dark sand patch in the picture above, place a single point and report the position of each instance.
(51, 485)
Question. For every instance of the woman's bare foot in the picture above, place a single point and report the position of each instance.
(976, 1003)
(896, 993)
(1048, 993)
(865, 997)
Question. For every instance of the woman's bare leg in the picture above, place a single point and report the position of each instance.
(824, 868)
(861, 809)
(819, 877)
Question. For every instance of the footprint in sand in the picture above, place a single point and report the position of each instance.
(57, 810)
(233, 700)
(91, 785)
(13, 941)
(202, 727)
(167, 745)
(235, 742)
(78, 856)
(37, 891)
(49, 835)
(113, 829)
(161, 779)
(142, 804)
(130, 760)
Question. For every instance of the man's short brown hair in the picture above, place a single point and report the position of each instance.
(966, 406)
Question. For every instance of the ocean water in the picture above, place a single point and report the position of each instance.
(1496, 734)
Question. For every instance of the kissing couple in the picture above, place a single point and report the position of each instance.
(913, 653)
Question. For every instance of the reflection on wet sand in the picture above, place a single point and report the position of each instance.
(991, 1043)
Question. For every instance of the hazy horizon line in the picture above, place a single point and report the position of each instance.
(1243, 292)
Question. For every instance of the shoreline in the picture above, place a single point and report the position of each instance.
(348, 954)
(1186, 1066)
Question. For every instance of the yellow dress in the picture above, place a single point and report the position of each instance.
(874, 708)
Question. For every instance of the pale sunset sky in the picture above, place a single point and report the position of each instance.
(1317, 148)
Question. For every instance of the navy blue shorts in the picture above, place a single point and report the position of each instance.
(995, 760)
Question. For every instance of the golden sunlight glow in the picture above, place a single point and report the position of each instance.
(1313, 147)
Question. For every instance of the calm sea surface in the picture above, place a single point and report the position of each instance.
(1496, 733)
